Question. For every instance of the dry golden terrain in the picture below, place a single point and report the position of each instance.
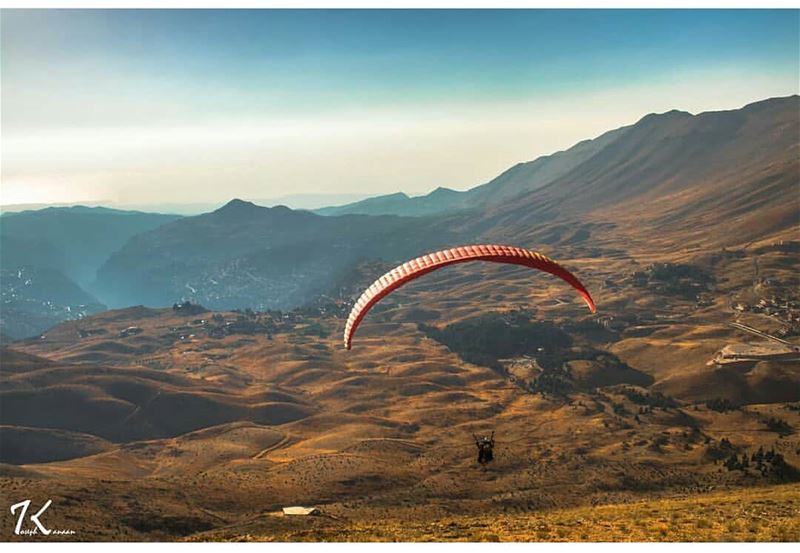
(171, 433)
(757, 514)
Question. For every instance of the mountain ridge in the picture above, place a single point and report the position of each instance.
(715, 168)
(524, 176)
(659, 183)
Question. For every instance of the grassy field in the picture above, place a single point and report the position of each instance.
(758, 514)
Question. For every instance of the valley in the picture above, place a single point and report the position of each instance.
(219, 392)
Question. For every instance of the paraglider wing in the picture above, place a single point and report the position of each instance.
(422, 265)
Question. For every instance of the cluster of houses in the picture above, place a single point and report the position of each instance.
(785, 310)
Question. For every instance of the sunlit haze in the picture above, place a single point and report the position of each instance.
(159, 107)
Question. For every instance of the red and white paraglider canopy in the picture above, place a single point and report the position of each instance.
(415, 268)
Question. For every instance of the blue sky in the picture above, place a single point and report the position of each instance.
(145, 106)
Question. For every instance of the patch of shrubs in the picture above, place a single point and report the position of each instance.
(659, 442)
(721, 405)
(720, 451)
(779, 426)
(552, 381)
(485, 339)
(188, 308)
(650, 399)
(619, 409)
(677, 279)
(766, 463)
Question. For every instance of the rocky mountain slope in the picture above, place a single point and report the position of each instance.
(713, 179)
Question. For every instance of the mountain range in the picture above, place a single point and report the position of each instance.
(671, 181)
(751, 152)
(722, 178)
(49, 258)
(244, 255)
(522, 177)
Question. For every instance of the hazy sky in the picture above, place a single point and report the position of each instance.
(136, 106)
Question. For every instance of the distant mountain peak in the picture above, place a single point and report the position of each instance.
(671, 114)
(442, 191)
(775, 102)
(236, 205)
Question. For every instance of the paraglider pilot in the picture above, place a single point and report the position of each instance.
(485, 448)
